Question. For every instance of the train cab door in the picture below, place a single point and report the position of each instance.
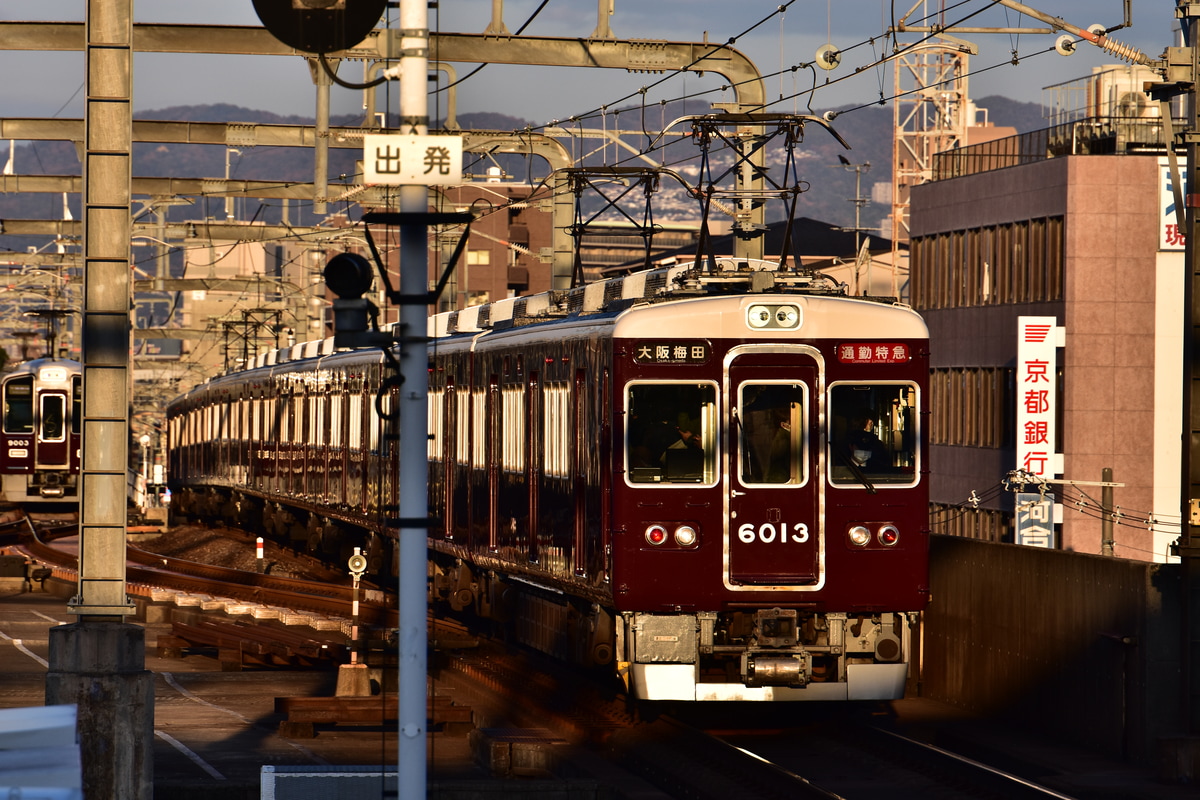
(774, 537)
(51, 446)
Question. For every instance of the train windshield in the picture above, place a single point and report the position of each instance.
(53, 419)
(18, 405)
(873, 433)
(671, 433)
(771, 428)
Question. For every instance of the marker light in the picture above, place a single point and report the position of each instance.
(656, 535)
(53, 375)
(685, 536)
(859, 535)
(889, 535)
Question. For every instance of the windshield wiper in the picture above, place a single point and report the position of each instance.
(854, 470)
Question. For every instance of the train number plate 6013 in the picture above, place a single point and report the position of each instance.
(773, 533)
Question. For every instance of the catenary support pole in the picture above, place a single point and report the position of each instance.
(413, 402)
(98, 662)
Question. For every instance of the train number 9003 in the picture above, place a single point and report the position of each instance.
(769, 532)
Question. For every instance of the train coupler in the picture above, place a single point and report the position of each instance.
(776, 669)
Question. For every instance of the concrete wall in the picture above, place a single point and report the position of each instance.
(1078, 646)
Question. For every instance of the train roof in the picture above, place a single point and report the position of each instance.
(33, 366)
(608, 298)
(723, 276)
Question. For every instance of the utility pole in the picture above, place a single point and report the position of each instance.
(858, 200)
(1183, 70)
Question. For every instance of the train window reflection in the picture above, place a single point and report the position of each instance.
(771, 430)
(671, 433)
(53, 421)
(18, 405)
(873, 435)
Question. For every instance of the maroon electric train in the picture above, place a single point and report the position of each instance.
(710, 479)
(39, 457)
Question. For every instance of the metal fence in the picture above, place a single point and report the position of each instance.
(1091, 136)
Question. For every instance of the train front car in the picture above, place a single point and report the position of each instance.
(769, 518)
(40, 463)
(710, 480)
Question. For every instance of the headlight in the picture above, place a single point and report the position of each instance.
(762, 315)
(685, 536)
(859, 535)
(758, 316)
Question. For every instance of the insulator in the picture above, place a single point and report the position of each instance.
(1124, 51)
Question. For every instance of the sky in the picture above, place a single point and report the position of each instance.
(49, 84)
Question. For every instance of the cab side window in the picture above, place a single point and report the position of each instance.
(18, 405)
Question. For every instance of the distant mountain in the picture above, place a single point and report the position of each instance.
(830, 197)
(488, 121)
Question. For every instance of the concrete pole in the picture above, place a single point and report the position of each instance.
(1106, 501)
(321, 144)
(413, 480)
(98, 662)
(1189, 540)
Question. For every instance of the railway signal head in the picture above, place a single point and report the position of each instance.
(357, 563)
(349, 276)
(319, 26)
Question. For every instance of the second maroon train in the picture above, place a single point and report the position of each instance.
(710, 479)
(40, 429)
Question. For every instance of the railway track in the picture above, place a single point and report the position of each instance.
(682, 758)
(147, 570)
(764, 755)
(852, 760)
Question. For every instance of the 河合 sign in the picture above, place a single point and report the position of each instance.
(1037, 396)
(412, 160)
(1035, 518)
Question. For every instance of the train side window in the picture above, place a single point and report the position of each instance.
(873, 437)
(53, 417)
(771, 434)
(18, 405)
(671, 433)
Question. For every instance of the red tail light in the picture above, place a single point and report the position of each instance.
(656, 535)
